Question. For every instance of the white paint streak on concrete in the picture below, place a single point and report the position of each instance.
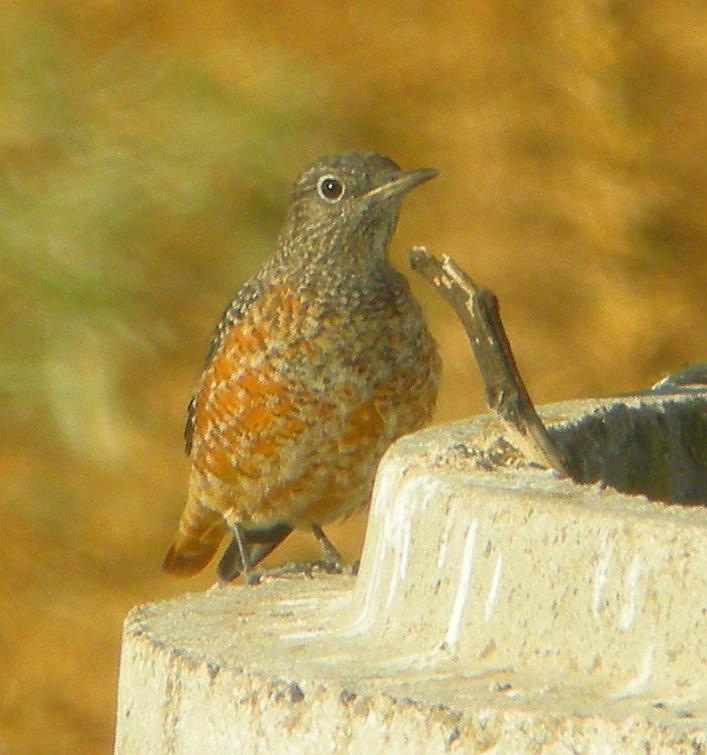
(384, 493)
(387, 480)
(444, 541)
(413, 495)
(638, 684)
(492, 596)
(602, 569)
(462, 594)
(628, 610)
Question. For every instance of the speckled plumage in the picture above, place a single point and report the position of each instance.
(321, 361)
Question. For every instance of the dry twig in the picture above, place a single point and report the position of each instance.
(477, 309)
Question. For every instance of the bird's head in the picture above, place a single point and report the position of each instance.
(347, 204)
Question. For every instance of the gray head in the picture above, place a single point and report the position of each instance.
(344, 209)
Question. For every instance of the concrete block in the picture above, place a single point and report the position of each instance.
(497, 608)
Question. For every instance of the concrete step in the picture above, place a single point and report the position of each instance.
(497, 608)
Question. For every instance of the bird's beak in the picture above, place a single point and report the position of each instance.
(397, 184)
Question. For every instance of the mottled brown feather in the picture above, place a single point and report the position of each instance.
(321, 361)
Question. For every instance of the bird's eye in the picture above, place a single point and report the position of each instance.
(330, 188)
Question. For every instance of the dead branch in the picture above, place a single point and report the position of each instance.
(477, 309)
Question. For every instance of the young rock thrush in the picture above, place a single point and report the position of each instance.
(321, 361)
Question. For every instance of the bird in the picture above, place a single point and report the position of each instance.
(321, 361)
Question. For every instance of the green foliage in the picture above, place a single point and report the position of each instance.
(121, 169)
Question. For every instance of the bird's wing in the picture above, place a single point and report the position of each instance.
(233, 314)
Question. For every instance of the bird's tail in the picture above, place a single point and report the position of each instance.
(199, 534)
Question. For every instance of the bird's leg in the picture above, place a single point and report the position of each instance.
(240, 537)
(259, 543)
(331, 555)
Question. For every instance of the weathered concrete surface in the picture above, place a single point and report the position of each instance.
(497, 609)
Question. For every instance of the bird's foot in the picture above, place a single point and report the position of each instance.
(332, 557)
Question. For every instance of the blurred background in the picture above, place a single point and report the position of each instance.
(147, 150)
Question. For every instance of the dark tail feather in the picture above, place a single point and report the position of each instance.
(183, 563)
(259, 543)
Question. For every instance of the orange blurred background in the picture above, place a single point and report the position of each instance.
(147, 151)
